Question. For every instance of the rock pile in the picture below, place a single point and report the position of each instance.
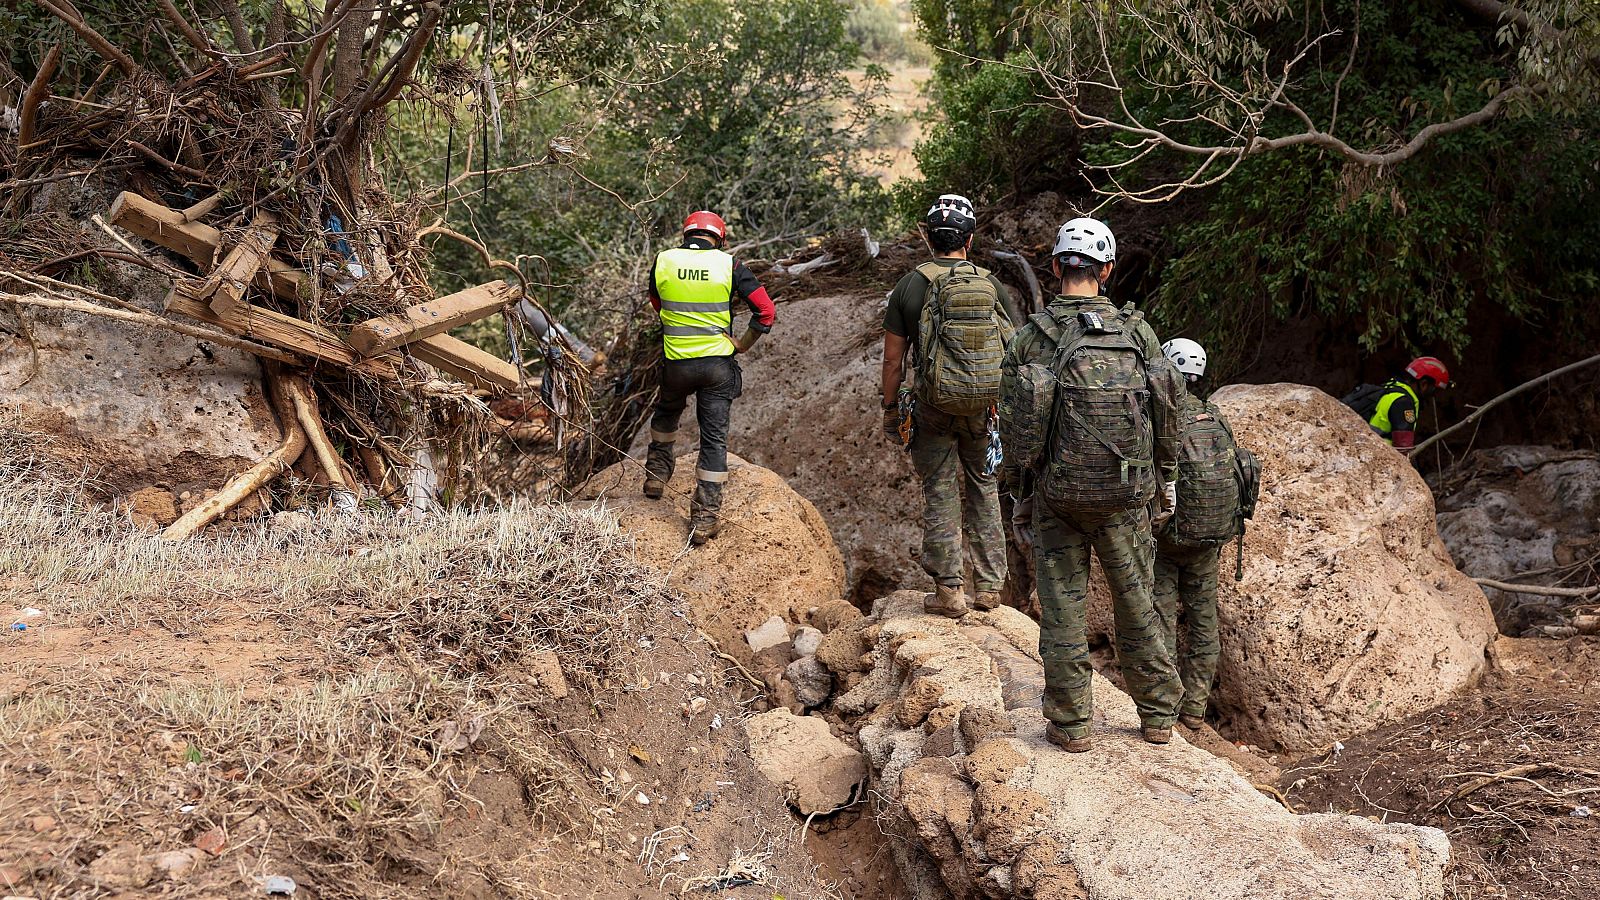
(950, 722)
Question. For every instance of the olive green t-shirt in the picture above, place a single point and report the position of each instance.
(904, 312)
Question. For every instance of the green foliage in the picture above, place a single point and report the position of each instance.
(740, 108)
(1494, 215)
(1400, 255)
(874, 27)
(993, 139)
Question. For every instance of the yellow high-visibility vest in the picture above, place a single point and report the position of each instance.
(695, 287)
(1380, 418)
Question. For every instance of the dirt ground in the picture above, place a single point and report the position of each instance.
(1532, 832)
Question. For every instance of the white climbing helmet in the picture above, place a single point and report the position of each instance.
(1188, 356)
(1088, 239)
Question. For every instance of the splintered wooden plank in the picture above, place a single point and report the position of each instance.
(434, 317)
(197, 241)
(278, 329)
(466, 362)
(240, 266)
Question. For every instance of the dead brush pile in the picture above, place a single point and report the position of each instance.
(417, 634)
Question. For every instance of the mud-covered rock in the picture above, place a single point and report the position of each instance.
(817, 772)
(812, 681)
(1351, 612)
(1015, 817)
(774, 556)
(1513, 510)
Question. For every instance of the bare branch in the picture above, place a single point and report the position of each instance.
(95, 39)
(38, 89)
(190, 33)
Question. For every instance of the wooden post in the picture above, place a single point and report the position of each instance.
(240, 266)
(434, 317)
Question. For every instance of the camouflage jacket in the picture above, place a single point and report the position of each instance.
(1030, 344)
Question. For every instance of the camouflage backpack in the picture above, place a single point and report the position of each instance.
(961, 339)
(1097, 436)
(1208, 482)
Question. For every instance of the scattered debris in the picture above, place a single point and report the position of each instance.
(279, 886)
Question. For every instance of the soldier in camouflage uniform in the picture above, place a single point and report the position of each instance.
(1122, 539)
(947, 451)
(1186, 573)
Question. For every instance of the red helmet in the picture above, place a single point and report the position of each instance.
(709, 222)
(1429, 368)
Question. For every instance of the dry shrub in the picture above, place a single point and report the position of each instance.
(343, 783)
(422, 625)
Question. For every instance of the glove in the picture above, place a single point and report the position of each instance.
(1022, 523)
(891, 423)
(746, 340)
(1169, 504)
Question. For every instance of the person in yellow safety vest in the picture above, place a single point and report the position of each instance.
(693, 287)
(1392, 410)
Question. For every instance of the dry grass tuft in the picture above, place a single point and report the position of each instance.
(423, 626)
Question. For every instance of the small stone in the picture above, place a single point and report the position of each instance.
(212, 841)
(123, 866)
(42, 823)
(155, 503)
(641, 799)
(176, 864)
(10, 876)
(978, 724)
(812, 681)
(770, 633)
(545, 671)
(807, 640)
(695, 707)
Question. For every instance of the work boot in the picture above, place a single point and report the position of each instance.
(986, 599)
(1055, 735)
(1156, 735)
(1191, 721)
(705, 519)
(946, 601)
(658, 464)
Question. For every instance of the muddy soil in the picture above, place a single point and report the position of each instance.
(1532, 833)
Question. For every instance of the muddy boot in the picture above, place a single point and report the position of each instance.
(1156, 735)
(946, 601)
(705, 519)
(1191, 721)
(1061, 739)
(986, 600)
(658, 464)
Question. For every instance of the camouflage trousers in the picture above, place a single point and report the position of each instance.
(1061, 561)
(1186, 583)
(947, 453)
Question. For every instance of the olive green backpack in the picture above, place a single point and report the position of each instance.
(1208, 480)
(961, 339)
(1082, 419)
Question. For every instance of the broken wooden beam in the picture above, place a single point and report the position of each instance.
(466, 362)
(197, 241)
(280, 330)
(434, 317)
(233, 276)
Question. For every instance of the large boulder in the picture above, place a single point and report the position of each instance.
(817, 772)
(774, 556)
(810, 413)
(133, 406)
(1351, 613)
(1513, 510)
(990, 809)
